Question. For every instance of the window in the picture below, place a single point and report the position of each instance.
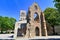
(23, 25)
(35, 15)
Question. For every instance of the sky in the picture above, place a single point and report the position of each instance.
(11, 8)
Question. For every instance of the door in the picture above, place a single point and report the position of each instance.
(37, 31)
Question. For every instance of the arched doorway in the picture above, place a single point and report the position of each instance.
(37, 31)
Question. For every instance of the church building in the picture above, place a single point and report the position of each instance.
(31, 23)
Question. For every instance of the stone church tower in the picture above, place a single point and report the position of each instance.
(22, 15)
(35, 20)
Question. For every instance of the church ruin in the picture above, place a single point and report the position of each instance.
(31, 25)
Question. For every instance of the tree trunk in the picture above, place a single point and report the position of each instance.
(1, 31)
(53, 30)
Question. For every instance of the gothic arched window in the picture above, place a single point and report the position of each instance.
(36, 16)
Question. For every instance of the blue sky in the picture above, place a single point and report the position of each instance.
(11, 8)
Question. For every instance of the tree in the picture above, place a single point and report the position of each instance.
(52, 16)
(12, 22)
(57, 4)
(0, 22)
(6, 23)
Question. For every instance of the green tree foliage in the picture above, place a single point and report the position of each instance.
(7, 23)
(52, 16)
(57, 4)
(0, 22)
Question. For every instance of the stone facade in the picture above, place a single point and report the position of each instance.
(35, 26)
